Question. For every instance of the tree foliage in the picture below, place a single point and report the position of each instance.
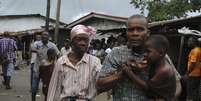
(167, 9)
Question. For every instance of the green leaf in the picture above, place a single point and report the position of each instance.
(167, 9)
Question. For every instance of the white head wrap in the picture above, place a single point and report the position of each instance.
(81, 29)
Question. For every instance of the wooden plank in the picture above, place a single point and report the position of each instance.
(47, 16)
(180, 52)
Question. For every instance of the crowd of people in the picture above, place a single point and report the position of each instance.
(132, 67)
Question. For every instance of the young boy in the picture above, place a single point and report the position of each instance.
(161, 83)
(46, 69)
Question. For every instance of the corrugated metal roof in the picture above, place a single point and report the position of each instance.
(124, 19)
(97, 15)
(161, 23)
(30, 15)
(16, 23)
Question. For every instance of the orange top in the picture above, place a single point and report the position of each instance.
(195, 57)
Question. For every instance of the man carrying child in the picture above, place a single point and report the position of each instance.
(112, 77)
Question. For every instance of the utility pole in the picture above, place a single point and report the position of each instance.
(180, 52)
(57, 21)
(47, 16)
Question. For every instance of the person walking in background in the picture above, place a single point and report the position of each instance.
(66, 49)
(194, 70)
(19, 53)
(8, 50)
(99, 51)
(40, 49)
(33, 56)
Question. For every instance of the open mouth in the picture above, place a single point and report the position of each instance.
(135, 41)
(83, 47)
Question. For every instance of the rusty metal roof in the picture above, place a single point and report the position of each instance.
(97, 15)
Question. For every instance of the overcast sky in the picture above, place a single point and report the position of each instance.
(70, 9)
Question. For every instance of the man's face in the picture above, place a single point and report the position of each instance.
(137, 32)
(80, 43)
(45, 38)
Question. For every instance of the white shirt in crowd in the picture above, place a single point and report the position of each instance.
(108, 50)
(64, 51)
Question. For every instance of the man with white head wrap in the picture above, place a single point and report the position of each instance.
(75, 74)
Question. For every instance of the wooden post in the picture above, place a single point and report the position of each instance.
(47, 16)
(24, 49)
(180, 52)
(57, 21)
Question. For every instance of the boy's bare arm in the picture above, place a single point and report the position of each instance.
(162, 73)
(136, 79)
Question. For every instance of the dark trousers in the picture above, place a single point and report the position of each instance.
(193, 85)
(35, 80)
(45, 92)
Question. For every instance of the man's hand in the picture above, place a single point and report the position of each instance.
(119, 74)
(126, 69)
(106, 83)
(132, 76)
(130, 66)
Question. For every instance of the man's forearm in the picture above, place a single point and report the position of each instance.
(34, 50)
(107, 83)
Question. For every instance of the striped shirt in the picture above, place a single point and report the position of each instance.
(69, 80)
(8, 46)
